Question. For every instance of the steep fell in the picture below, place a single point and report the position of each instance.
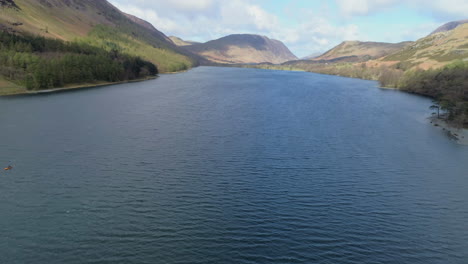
(243, 48)
(449, 26)
(96, 22)
(435, 50)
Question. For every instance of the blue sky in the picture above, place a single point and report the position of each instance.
(305, 26)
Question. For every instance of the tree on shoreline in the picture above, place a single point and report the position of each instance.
(436, 107)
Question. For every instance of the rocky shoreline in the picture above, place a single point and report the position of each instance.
(460, 135)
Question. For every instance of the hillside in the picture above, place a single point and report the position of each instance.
(243, 48)
(434, 51)
(357, 51)
(449, 26)
(97, 23)
(435, 66)
(158, 34)
(180, 42)
(365, 60)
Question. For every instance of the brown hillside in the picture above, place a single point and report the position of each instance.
(435, 50)
(243, 48)
(354, 51)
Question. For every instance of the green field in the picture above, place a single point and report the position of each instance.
(7, 87)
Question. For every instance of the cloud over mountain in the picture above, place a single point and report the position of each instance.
(304, 28)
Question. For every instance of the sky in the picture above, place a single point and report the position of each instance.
(307, 27)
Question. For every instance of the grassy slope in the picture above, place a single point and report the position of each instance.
(434, 51)
(78, 21)
(109, 37)
(362, 50)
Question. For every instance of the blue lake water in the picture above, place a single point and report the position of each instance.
(225, 165)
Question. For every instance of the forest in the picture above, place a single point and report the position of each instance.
(43, 63)
(447, 86)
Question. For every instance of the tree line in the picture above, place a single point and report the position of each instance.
(42, 63)
(447, 86)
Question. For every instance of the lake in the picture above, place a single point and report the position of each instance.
(226, 165)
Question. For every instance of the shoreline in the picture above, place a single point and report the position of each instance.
(85, 86)
(76, 87)
(460, 135)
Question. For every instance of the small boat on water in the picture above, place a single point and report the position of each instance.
(8, 168)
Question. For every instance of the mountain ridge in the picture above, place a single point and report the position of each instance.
(98, 23)
(449, 26)
(243, 48)
(435, 50)
(358, 51)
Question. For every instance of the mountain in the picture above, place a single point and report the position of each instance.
(97, 23)
(449, 26)
(243, 48)
(180, 42)
(312, 56)
(434, 51)
(357, 51)
(148, 26)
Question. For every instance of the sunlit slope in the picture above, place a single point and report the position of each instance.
(181, 42)
(435, 50)
(355, 51)
(243, 48)
(96, 22)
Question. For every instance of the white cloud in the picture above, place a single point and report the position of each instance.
(439, 8)
(458, 8)
(210, 19)
(317, 35)
(261, 19)
(362, 7)
(151, 16)
(417, 32)
(312, 30)
(190, 5)
(202, 20)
